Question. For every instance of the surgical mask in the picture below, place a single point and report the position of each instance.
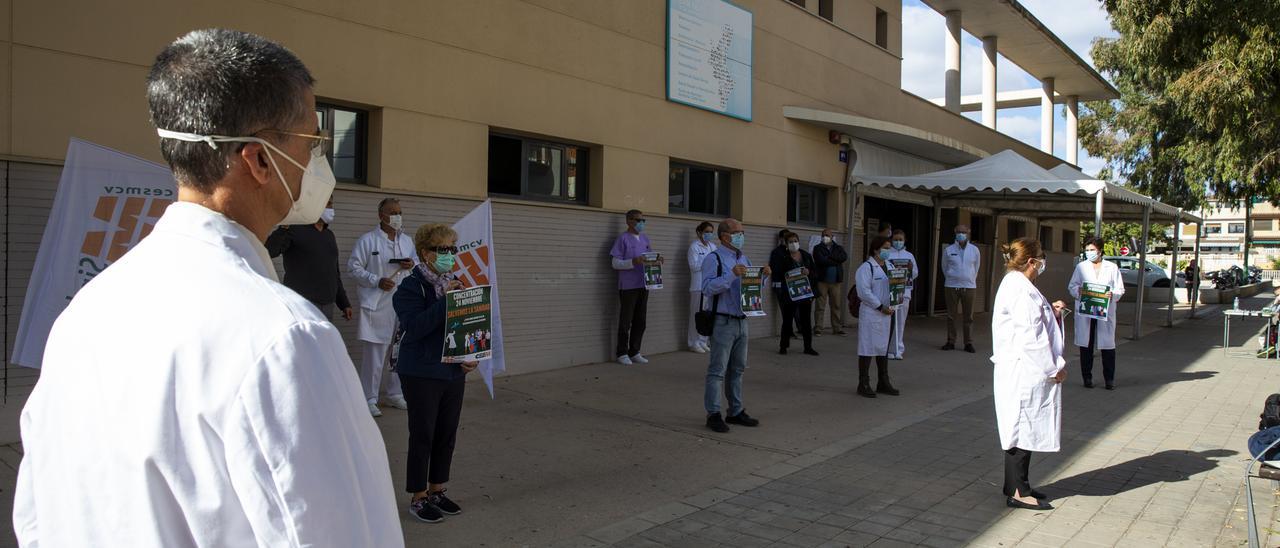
(443, 262)
(827, 240)
(1091, 256)
(1040, 269)
(640, 226)
(396, 222)
(317, 177)
(327, 216)
(793, 246)
(899, 245)
(708, 236)
(962, 237)
(884, 254)
(738, 239)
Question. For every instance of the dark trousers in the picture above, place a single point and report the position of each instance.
(797, 313)
(435, 408)
(1017, 463)
(1086, 357)
(631, 315)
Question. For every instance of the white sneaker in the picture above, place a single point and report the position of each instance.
(373, 410)
(697, 349)
(706, 347)
(639, 358)
(396, 402)
(624, 360)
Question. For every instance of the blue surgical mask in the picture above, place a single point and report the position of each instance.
(443, 262)
(962, 237)
(884, 254)
(640, 226)
(1092, 256)
(708, 236)
(738, 239)
(899, 245)
(1040, 269)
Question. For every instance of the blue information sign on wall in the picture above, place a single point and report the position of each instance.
(709, 56)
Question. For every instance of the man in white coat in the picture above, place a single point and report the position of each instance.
(382, 258)
(960, 262)
(208, 405)
(1091, 332)
(898, 254)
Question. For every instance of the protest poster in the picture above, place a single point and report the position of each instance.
(476, 266)
(468, 325)
(898, 280)
(798, 287)
(652, 270)
(1094, 302)
(904, 264)
(753, 292)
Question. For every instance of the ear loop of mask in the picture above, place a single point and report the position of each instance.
(213, 140)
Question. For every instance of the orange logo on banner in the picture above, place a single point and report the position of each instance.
(114, 242)
(473, 266)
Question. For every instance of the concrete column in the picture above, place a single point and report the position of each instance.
(1046, 116)
(989, 81)
(937, 253)
(1073, 130)
(953, 62)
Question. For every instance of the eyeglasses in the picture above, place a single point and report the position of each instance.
(323, 138)
(449, 249)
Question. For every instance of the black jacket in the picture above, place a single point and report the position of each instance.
(828, 258)
(310, 263)
(421, 315)
(780, 262)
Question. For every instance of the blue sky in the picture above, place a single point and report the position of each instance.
(1076, 22)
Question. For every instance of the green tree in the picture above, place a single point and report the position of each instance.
(1118, 235)
(1199, 107)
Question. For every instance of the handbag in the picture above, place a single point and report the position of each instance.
(704, 321)
(855, 302)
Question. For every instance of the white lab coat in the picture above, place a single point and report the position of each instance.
(960, 265)
(897, 347)
(203, 406)
(698, 252)
(873, 325)
(1027, 341)
(370, 262)
(1109, 275)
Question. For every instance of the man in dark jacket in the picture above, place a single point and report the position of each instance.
(311, 263)
(829, 257)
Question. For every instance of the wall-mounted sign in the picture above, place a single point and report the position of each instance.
(709, 56)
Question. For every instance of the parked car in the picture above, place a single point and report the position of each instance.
(1155, 275)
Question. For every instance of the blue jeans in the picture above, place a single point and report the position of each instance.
(728, 362)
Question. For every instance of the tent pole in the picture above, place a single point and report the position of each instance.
(1097, 216)
(995, 256)
(1142, 273)
(1196, 293)
(937, 253)
(1173, 266)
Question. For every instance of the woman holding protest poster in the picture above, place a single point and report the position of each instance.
(432, 387)
(875, 319)
(1096, 285)
(789, 264)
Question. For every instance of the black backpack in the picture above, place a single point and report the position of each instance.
(1270, 412)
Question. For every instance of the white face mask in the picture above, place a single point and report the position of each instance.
(793, 246)
(327, 216)
(395, 222)
(1040, 268)
(827, 240)
(317, 178)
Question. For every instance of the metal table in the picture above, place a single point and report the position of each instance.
(1242, 313)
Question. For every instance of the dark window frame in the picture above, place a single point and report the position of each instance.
(882, 28)
(980, 228)
(1069, 241)
(826, 9)
(797, 2)
(819, 197)
(582, 170)
(1046, 237)
(1231, 228)
(327, 112)
(1012, 226)
(723, 182)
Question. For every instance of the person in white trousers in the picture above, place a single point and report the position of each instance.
(381, 259)
(703, 245)
(897, 254)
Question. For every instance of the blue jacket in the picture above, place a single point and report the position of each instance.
(421, 315)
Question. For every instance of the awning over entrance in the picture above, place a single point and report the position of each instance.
(925, 144)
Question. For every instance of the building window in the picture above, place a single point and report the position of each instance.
(696, 189)
(882, 28)
(1213, 229)
(1069, 241)
(797, 2)
(1236, 228)
(1046, 237)
(537, 169)
(826, 9)
(980, 229)
(349, 154)
(806, 204)
(1017, 229)
(1262, 225)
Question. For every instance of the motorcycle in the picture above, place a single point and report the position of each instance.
(1223, 279)
(1255, 275)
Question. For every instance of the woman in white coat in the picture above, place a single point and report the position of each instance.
(703, 244)
(875, 320)
(900, 253)
(1093, 333)
(1027, 339)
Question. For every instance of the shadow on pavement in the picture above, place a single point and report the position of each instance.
(1163, 467)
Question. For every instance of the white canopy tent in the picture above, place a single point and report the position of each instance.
(1011, 185)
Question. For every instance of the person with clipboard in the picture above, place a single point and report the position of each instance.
(381, 259)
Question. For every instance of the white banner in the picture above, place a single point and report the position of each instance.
(107, 202)
(477, 266)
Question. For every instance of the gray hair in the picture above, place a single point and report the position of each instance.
(222, 82)
(382, 206)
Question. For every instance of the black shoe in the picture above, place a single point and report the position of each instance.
(887, 389)
(1111, 386)
(443, 503)
(782, 351)
(1015, 503)
(716, 423)
(1038, 495)
(1088, 384)
(424, 511)
(949, 346)
(811, 352)
(865, 391)
(970, 349)
(743, 419)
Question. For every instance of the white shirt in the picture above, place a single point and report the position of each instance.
(370, 262)
(698, 252)
(186, 399)
(960, 265)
